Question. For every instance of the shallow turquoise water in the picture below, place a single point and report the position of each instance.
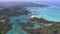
(49, 13)
(16, 27)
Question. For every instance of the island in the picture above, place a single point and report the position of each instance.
(13, 9)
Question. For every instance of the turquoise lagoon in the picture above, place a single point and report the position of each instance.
(49, 13)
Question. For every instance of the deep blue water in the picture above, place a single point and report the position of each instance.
(49, 13)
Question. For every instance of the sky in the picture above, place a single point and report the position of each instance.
(30, 0)
(50, 2)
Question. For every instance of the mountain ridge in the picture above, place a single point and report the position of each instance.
(21, 4)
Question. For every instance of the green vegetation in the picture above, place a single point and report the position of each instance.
(5, 27)
(13, 11)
